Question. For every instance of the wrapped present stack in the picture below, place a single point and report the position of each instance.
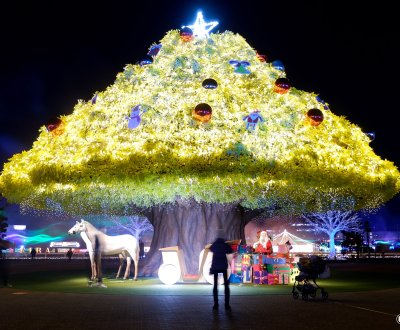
(259, 268)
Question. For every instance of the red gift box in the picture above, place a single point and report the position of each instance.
(256, 268)
(273, 279)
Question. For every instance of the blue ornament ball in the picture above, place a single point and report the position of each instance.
(209, 83)
(277, 64)
(146, 60)
(371, 135)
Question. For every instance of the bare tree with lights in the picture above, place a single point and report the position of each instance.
(134, 224)
(333, 222)
(202, 133)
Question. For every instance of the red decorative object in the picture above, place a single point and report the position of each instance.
(54, 126)
(186, 34)
(282, 85)
(202, 112)
(315, 116)
(261, 58)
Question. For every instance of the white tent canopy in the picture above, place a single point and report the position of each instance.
(298, 244)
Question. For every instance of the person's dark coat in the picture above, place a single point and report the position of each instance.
(219, 261)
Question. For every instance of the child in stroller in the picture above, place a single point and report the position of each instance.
(310, 268)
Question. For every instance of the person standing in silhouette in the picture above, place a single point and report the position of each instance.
(33, 253)
(219, 265)
(69, 254)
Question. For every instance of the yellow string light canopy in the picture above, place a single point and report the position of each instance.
(140, 144)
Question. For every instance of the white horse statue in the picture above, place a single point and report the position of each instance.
(98, 243)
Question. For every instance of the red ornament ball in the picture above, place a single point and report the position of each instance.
(261, 57)
(54, 126)
(186, 34)
(315, 116)
(282, 85)
(202, 113)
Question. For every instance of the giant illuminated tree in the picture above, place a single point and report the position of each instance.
(201, 134)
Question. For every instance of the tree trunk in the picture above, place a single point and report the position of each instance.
(332, 249)
(191, 226)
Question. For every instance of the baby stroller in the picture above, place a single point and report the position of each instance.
(310, 269)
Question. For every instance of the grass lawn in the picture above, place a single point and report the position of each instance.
(356, 276)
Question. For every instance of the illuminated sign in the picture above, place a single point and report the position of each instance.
(64, 244)
(19, 227)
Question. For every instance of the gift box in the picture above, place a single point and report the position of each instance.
(235, 278)
(292, 277)
(283, 278)
(242, 249)
(246, 259)
(273, 279)
(270, 269)
(247, 274)
(295, 271)
(257, 258)
(280, 269)
(256, 268)
(236, 265)
(273, 261)
(260, 277)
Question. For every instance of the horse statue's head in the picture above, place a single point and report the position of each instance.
(78, 227)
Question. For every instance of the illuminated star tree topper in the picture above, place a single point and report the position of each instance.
(200, 28)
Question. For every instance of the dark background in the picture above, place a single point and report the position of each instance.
(54, 53)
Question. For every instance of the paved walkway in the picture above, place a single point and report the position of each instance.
(183, 308)
(50, 311)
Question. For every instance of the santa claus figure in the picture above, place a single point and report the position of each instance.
(264, 244)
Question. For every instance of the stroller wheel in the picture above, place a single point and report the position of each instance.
(312, 295)
(304, 296)
(324, 295)
(295, 295)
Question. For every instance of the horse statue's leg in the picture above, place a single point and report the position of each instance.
(128, 267)
(92, 266)
(134, 253)
(137, 262)
(98, 270)
(121, 263)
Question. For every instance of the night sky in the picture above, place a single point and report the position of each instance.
(55, 53)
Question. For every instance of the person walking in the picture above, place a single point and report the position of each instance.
(219, 265)
(69, 254)
(33, 253)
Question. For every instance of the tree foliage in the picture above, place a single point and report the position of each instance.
(93, 156)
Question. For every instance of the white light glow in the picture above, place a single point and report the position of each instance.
(200, 28)
(65, 244)
(168, 274)
(19, 227)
